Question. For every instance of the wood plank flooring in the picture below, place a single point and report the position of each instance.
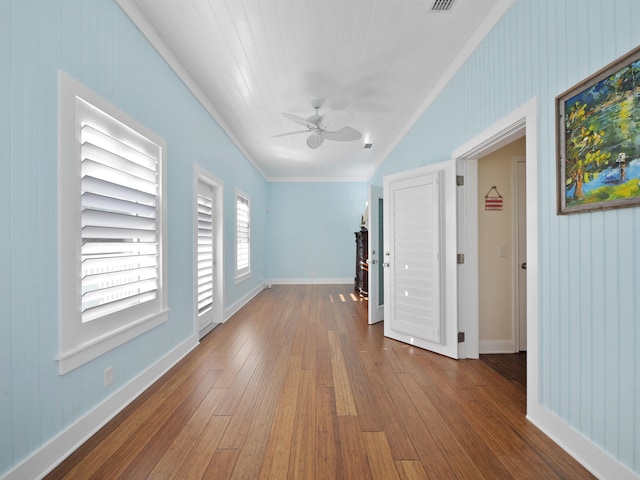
(297, 386)
(511, 366)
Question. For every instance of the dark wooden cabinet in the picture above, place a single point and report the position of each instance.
(362, 269)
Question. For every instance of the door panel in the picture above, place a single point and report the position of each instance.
(415, 259)
(376, 276)
(420, 274)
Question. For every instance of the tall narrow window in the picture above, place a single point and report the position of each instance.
(243, 236)
(112, 229)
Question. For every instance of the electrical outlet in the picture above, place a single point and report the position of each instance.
(108, 376)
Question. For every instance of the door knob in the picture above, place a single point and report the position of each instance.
(523, 265)
(385, 264)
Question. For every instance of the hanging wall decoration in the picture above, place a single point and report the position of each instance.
(493, 201)
(598, 132)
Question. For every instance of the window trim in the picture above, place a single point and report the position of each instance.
(81, 342)
(244, 273)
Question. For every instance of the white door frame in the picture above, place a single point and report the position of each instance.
(520, 122)
(202, 175)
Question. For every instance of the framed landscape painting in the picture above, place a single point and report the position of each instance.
(598, 139)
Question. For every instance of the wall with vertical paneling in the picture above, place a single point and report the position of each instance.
(94, 42)
(589, 264)
(311, 230)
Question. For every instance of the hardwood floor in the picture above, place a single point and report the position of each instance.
(297, 385)
(511, 366)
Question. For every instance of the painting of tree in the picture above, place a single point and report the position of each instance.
(599, 139)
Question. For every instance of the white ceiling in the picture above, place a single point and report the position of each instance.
(247, 61)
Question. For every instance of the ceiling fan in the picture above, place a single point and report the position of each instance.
(330, 126)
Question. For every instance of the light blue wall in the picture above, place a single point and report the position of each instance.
(311, 229)
(94, 42)
(589, 263)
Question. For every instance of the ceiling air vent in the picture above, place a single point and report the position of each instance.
(442, 5)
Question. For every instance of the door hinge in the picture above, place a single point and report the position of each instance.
(460, 337)
(460, 258)
(459, 180)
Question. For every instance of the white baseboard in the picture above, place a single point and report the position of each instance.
(233, 309)
(593, 458)
(207, 330)
(55, 451)
(311, 281)
(497, 346)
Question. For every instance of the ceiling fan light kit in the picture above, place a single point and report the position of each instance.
(330, 126)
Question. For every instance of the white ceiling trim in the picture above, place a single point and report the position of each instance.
(140, 20)
(499, 9)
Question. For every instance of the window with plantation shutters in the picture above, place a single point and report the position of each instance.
(119, 226)
(243, 237)
(112, 231)
(205, 254)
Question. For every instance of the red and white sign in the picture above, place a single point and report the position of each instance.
(493, 202)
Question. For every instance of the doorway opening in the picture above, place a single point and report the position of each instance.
(502, 249)
(502, 260)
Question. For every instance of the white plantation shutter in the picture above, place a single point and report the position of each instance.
(243, 239)
(205, 249)
(120, 251)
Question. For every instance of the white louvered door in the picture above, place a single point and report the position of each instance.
(205, 254)
(419, 242)
(208, 255)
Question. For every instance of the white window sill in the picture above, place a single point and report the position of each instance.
(92, 349)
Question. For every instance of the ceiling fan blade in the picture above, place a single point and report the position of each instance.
(334, 121)
(315, 140)
(290, 133)
(345, 134)
(302, 121)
